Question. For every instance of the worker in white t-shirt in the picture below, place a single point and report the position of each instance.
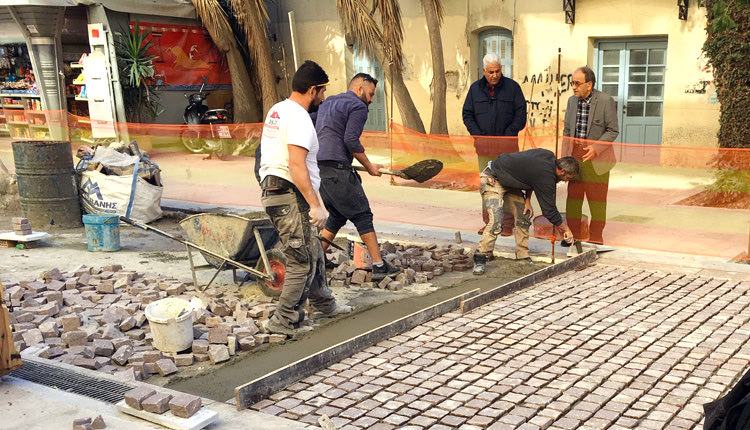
(290, 181)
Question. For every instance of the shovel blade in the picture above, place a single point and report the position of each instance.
(422, 170)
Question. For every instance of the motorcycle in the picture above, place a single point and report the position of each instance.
(196, 114)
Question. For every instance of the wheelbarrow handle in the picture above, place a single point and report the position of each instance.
(330, 242)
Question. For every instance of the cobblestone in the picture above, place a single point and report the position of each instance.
(603, 347)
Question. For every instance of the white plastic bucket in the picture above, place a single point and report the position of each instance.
(171, 322)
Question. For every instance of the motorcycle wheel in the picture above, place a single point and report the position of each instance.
(192, 142)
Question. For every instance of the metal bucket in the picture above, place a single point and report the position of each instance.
(46, 184)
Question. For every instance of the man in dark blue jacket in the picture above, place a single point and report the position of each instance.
(494, 106)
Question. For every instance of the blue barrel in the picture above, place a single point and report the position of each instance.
(102, 232)
(46, 184)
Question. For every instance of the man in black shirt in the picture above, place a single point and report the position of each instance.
(535, 170)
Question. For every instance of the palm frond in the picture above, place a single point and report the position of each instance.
(439, 10)
(358, 22)
(253, 17)
(215, 20)
(393, 36)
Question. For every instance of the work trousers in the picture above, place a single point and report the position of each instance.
(594, 188)
(493, 197)
(345, 199)
(305, 267)
(507, 215)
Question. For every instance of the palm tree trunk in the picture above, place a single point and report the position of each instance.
(246, 108)
(409, 112)
(260, 49)
(439, 121)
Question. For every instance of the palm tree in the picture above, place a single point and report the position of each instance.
(215, 20)
(253, 16)
(385, 42)
(433, 12)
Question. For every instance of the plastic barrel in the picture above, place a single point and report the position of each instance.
(102, 232)
(46, 184)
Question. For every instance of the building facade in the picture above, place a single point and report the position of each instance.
(646, 53)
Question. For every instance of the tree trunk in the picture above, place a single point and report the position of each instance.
(246, 108)
(409, 112)
(439, 121)
(261, 52)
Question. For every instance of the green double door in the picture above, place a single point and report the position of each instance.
(632, 72)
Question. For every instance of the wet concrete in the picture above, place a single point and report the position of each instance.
(218, 382)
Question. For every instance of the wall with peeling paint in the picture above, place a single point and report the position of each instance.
(691, 111)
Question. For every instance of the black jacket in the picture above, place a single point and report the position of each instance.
(531, 170)
(501, 115)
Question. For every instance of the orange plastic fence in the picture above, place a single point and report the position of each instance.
(658, 197)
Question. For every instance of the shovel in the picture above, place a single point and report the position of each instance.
(420, 171)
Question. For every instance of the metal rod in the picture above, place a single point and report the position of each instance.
(263, 255)
(528, 114)
(557, 135)
(192, 266)
(557, 116)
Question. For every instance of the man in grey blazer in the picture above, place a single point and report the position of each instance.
(591, 115)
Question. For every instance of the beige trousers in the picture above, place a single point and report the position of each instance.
(496, 199)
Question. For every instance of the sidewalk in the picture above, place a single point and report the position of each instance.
(641, 211)
(22, 400)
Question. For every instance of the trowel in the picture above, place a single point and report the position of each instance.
(420, 171)
(578, 247)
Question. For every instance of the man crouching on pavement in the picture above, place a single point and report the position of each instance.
(290, 181)
(535, 170)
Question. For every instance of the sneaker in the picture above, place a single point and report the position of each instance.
(380, 272)
(526, 260)
(480, 261)
(271, 327)
(338, 309)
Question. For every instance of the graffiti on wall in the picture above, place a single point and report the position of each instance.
(703, 83)
(540, 90)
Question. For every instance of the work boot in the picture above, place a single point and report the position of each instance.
(380, 272)
(526, 261)
(338, 309)
(480, 260)
(271, 327)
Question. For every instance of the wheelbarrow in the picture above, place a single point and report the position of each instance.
(232, 241)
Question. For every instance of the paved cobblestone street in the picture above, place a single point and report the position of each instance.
(605, 347)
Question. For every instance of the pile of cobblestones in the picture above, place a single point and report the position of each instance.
(95, 317)
(420, 263)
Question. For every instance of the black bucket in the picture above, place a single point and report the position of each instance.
(46, 184)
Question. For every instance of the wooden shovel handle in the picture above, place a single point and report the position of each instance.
(383, 170)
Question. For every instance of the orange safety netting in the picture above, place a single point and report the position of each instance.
(687, 199)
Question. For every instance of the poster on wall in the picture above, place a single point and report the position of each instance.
(185, 54)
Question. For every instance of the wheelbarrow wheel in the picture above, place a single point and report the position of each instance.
(277, 261)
